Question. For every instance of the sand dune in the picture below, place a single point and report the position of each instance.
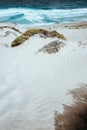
(35, 85)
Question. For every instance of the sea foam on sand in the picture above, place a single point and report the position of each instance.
(35, 85)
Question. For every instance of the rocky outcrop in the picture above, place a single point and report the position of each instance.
(26, 35)
(52, 47)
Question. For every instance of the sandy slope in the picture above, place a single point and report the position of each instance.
(35, 85)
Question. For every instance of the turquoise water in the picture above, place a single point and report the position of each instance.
(31, 12)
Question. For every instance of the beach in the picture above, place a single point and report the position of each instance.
(39, 75)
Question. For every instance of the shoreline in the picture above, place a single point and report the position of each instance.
(84, 23)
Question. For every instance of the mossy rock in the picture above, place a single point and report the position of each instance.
(19, 40)
(26, 35)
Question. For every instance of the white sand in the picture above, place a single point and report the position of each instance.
(35, 85)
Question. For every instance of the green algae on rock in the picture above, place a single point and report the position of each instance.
(26, 35)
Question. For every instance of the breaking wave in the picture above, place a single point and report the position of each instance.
(33, 16)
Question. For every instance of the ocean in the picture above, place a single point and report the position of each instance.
(37, 12)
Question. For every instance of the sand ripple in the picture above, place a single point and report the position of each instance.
(32, 87)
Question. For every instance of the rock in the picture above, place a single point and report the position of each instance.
(52, 47)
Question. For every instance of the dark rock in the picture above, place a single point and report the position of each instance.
(52, 47)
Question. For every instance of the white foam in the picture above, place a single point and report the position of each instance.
(40, 16)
